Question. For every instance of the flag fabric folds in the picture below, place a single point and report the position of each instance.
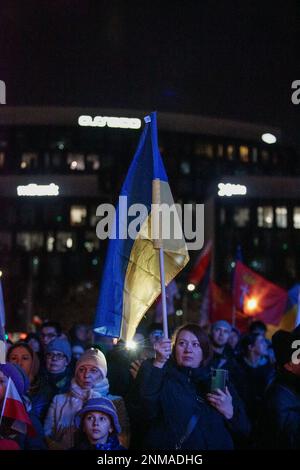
(221, 305)
(131, 279)
(257, 297)
(202, 265)
(13, 408)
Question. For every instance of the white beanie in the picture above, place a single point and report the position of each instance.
(95, 358)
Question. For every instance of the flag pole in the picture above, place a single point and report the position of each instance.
(158, 244)
(5, 398)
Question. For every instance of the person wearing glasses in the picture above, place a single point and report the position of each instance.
(56, 377)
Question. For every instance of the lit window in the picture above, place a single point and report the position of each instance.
(65, 241)
(91, 242)
(204, 150)
(30, 241)
(185, 168)
(2, 159)
(78, 215)
(76, 161)
(265, 216)
(50, 242)
(220, 151)
(241, 216)
(244, 154)
(230, 152)
(296, 217)
(29, 160)
(281, 217)
(92, 162)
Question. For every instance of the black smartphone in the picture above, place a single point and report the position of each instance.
(218, 379)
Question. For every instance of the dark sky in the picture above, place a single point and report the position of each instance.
(234, 59)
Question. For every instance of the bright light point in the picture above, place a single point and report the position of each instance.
(251, 304)
(228, 189)
(1, 273)
(268, 138)
(23, 165)
(179, 313)
(69, 243)
(191, 287)
(73, 165)
(131, 345)
(233, 264)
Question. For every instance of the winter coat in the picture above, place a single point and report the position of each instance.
(111, 444)
(279, 424)
(171, 396)
(59, 424)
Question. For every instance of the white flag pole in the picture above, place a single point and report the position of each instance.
(158, 244)
(5, 398)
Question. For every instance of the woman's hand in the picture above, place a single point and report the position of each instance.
(135, 367)
(222, 401)
(163, 349)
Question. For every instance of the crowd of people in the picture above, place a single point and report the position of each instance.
(82, 395)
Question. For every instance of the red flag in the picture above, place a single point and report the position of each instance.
(13, 408)
(201, 266)
(221, 308)
(257, 297)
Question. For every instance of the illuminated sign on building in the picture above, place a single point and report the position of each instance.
(33, 189)
(228, 189)
(110, 121)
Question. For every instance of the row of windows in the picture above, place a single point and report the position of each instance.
(62, 160)
(62, 241)
(29, 215)
(266, 217)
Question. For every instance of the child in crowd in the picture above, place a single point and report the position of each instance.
(98, 426)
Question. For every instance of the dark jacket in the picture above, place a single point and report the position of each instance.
(280, 421)
(171, 396)
(49, 386)
(256, 381)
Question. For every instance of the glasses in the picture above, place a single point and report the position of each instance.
(58, 356)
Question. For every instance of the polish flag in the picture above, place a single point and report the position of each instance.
(14, 409)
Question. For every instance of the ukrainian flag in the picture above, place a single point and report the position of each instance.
(131, 278)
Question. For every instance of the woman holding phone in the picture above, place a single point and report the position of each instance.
(175, 398)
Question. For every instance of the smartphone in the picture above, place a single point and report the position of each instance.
(218, 379)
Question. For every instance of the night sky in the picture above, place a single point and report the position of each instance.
(234, 59)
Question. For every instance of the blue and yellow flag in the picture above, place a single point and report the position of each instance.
(131, 278)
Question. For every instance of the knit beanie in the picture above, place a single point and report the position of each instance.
(102, 404)
(17, 375)
(61, 345)
(95, 358)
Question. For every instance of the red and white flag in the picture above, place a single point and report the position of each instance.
(13, 408)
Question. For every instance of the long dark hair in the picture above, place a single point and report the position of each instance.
(202, 337)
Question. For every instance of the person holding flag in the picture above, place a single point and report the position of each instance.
(138, 267)
(16, 421)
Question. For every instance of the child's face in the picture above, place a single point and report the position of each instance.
(97, 426)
